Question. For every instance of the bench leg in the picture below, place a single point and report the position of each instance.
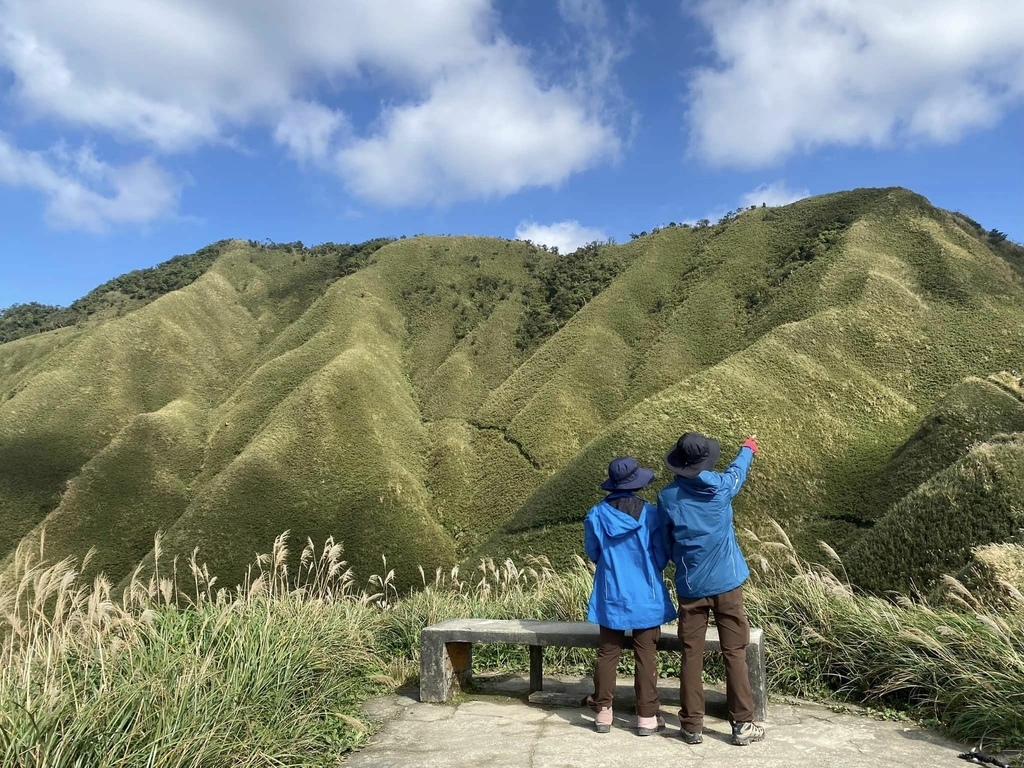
(756, 667)
(444, 668)
(536, 668)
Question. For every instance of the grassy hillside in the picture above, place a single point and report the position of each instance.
(832, 367)
(955, 485)
(434, 398)
(972, 412)
(931, 531)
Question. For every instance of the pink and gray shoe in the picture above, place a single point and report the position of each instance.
(648, 726)
(603, 720)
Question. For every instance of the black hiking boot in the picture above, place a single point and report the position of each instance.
(691, 738)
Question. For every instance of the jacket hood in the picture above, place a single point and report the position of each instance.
(616, 524)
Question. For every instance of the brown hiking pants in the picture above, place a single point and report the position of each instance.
(645, 678)
(734, 633)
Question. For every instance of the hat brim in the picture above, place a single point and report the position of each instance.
(643, 478)
(674, 461)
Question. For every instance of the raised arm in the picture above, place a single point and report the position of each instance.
(736, 474)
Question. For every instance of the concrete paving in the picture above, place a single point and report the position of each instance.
(495, 726)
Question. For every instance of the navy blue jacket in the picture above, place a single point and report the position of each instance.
(700, 530)
(629, 592)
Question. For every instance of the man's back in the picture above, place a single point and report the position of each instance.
(710, 570)
(700, 530)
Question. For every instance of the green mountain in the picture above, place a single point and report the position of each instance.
(957, 483)
(438, 398)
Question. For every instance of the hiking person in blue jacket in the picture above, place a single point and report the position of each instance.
(625, 537)
(710, 571)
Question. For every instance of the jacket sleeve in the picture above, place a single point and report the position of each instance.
(736, 474)
(591, 539)
(661, 545)
(665, 532)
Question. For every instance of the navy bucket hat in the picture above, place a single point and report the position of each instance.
(625, 474)
(693, 453)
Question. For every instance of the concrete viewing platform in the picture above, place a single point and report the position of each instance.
(494, 725)
(446, 652)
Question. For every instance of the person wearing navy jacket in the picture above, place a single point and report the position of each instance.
(625, 537)
(710, 572)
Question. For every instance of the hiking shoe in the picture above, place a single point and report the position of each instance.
(744, 733)
(603, 720)
(648, 726)
(691, 738)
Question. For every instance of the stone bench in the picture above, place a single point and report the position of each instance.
(446, 651)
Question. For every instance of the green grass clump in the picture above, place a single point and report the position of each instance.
(953, 486)
(140, 479)
(971, 412)
(994, 577)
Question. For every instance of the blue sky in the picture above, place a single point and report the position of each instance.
(134, 130)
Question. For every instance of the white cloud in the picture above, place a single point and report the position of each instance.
(594, 44)
(567, 236)
(775, 193)
(589, 14)
(484, 131)
(86, 193)
(793, 75)
(177, 74)
(308, 130)
(474, 118)
(595, 48)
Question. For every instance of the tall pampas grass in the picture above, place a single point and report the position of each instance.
(173, 669)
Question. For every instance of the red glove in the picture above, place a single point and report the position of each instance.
(751, 444)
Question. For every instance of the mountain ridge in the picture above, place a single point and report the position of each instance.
(453, 397)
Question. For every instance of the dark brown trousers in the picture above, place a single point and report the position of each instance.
(734, 633)
(645, 678)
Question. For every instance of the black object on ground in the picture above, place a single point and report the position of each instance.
(974, 756)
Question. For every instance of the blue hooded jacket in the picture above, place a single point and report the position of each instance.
(700, 530)
(630, 554)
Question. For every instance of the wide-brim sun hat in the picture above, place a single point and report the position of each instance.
(626, 474)
(693, 453)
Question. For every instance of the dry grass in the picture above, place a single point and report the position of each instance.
(180, 671)
(175, 669)
(957, 661)
(268, 673)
